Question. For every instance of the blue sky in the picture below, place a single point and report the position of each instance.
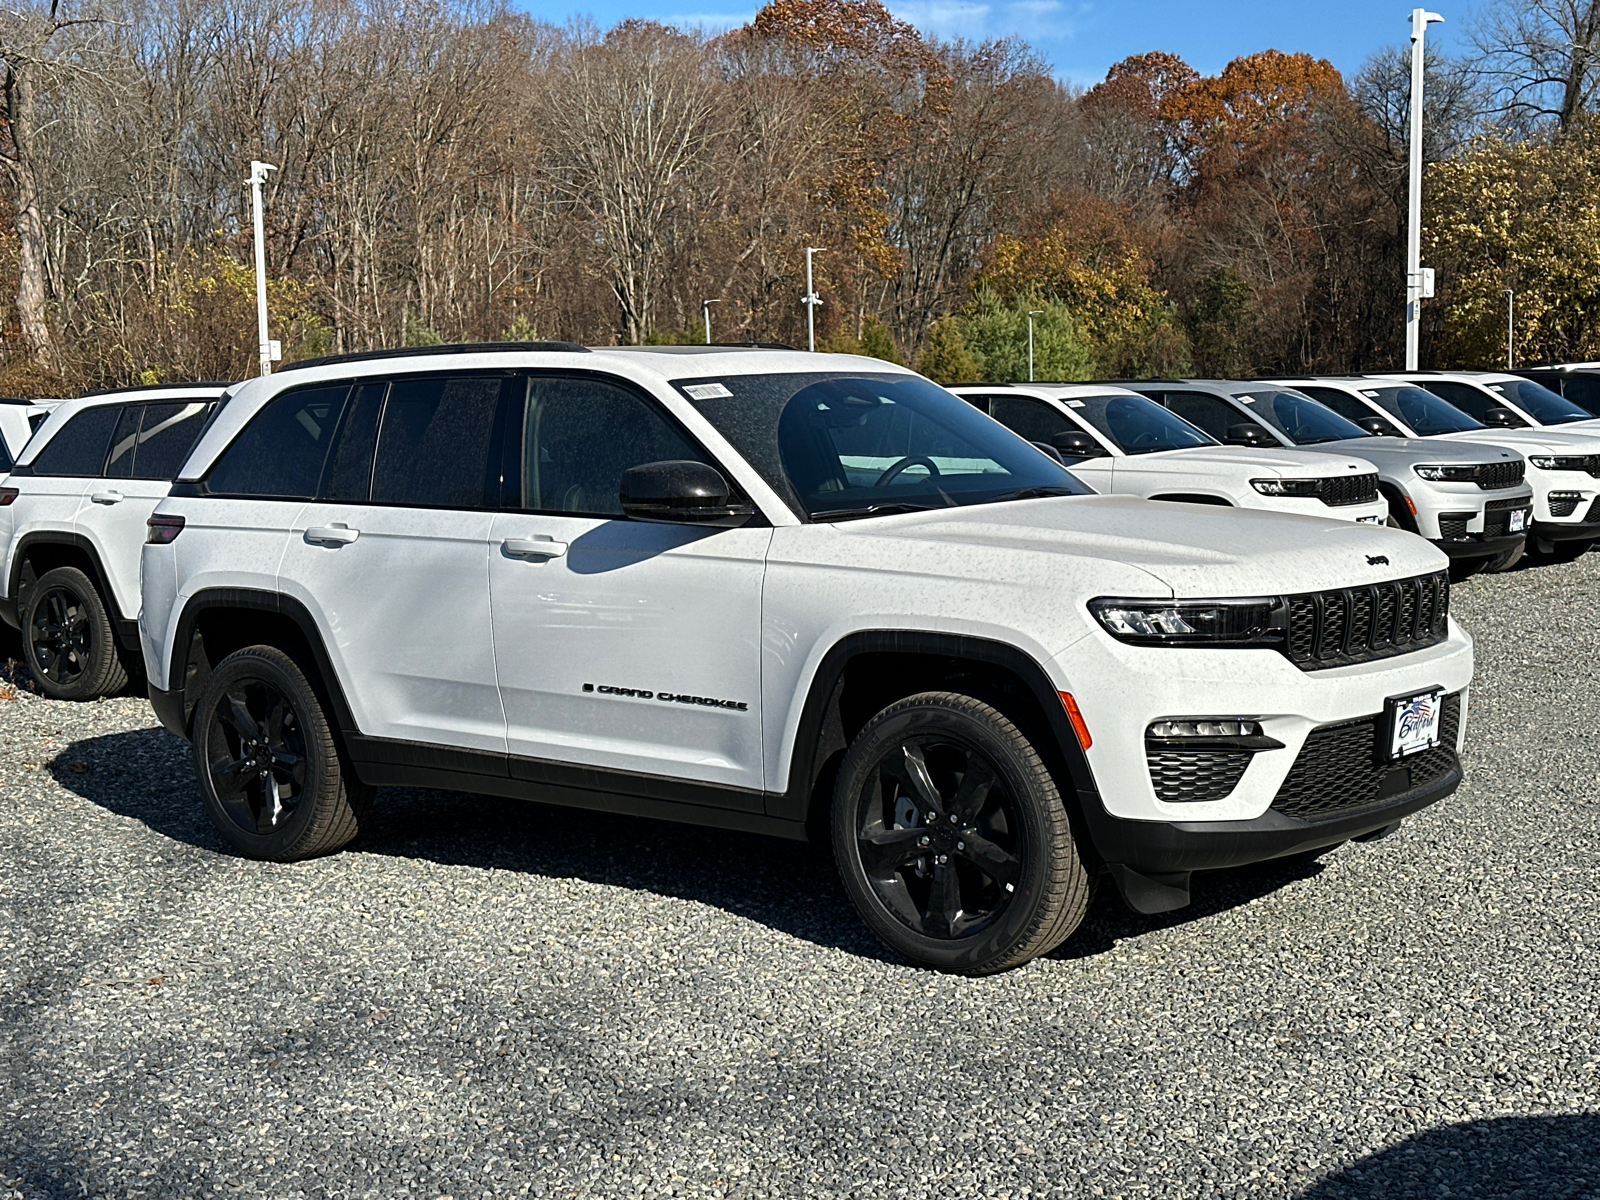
(1081, 38)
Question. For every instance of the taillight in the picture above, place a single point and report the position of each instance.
(159, 530)
(7, 495)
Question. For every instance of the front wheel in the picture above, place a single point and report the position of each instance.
(952, 839)
(267, 762)
(1505, 561)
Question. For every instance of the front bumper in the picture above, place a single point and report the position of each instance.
(1566, 531)
(1478, 546)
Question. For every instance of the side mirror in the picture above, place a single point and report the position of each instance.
(1249, 434)
(680, 492)
(1048, 449)
(1378, 427)
(1077, 445)
(1501, 418)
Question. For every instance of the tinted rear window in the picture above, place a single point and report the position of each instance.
(79, 447)
(436, 443)
(166, 436)
(281, 452)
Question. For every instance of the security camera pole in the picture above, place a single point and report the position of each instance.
(1421, 18)
(811, 300)
(1032, 313)
(258, 176)
(705, 311)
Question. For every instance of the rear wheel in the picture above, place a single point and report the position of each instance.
(952, 839)
(269, 768)
(68, 640)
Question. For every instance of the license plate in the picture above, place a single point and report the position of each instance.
(1414, 723)
(1369, 520)
(1519, 520)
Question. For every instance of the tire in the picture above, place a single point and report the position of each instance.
(1011, 857)
(67, 639)
(259, 719)
(1504, 562)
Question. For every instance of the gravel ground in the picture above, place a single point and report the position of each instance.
(490, 998)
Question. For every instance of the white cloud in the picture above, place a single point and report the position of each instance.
(1035, 20)
(711, 21)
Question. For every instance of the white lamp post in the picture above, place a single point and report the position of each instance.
(705, 311)
(1032, 313)
(258, 176)
(811, 300)
(1421, 18)
(1511, 329)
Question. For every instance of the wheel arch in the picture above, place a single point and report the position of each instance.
(1399, 505)
(45, 550)
(217, 621)
(866, 671)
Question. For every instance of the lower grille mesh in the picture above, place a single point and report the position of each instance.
(1339, 771)
(1194, 776)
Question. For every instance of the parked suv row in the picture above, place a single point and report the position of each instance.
(72, 521)
(780, 592)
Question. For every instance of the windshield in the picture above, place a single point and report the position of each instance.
(1300, 418)
(1137, 425)
(1540, 403)
(837, 445)
(1427, 415)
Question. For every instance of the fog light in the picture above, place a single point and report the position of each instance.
(1205, 729)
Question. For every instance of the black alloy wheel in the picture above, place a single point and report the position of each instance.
(270, 769)
(67, 637)
(952, 839)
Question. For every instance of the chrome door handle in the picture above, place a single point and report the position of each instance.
(341, 535)
(537, 546)
(106, 497)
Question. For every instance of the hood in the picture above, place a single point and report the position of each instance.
(1550, 440)
(1262, 463)
(1407, 451)
(1195, 550)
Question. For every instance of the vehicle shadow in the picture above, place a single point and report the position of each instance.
(1543, 1157)
(788, 886)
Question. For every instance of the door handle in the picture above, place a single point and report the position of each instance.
(341, 535)
(106, 497)
(537, 546)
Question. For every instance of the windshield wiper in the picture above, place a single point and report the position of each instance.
(873, 510)
(1032, 493)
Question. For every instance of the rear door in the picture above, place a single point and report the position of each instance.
(62, 471)
(626, 645)
(391, 558)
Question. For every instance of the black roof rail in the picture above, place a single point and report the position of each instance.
(22, 399)
(328, 360)
(159, 387)
(698, 347)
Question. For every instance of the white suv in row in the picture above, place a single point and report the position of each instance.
(781, 592)
(72, 520)
(1118, 441)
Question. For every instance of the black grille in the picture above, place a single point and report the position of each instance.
(1594, 511)
(1497, 516)
(1494, 476)
(1193, 776)
(1339, 770)
(1564, 506)
(1453, 525)
(1352, 625)
(1340, 490)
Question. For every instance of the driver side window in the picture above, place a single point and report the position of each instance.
(1032, 419)
(580, 435)
(1209, 413)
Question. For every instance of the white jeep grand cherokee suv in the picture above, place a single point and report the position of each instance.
(781, 592)
(1118, 441)
(72, 521)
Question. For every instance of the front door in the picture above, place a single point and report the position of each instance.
(624, 645)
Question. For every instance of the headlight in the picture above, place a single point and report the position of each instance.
(1254, 622)
(1286, 487)
(1560, 462)
(1443, 474)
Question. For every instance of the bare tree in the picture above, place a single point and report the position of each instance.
(1542, 56)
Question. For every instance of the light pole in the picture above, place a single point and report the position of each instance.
(811, 300)
(705, 311)
(1032, 313)
(258, 176)
(1421, 18)
(1511, 329)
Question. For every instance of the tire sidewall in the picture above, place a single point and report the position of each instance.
(931, 718)
(101, 650)
(275, 668)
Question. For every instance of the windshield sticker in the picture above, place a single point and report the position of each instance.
(1074, 403)
(1247, 399)
(1370, 395)
(707, 391)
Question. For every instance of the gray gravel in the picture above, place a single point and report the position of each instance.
(490, 998)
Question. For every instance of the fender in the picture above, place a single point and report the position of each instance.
(177, 705)
(127, 628)
(818, 733)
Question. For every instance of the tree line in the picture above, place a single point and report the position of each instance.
(456, 170)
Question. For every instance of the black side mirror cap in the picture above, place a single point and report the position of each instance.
(1248, 434)
(680, 491)
(1502, 418)
(1077, 445)
(1048, 449)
